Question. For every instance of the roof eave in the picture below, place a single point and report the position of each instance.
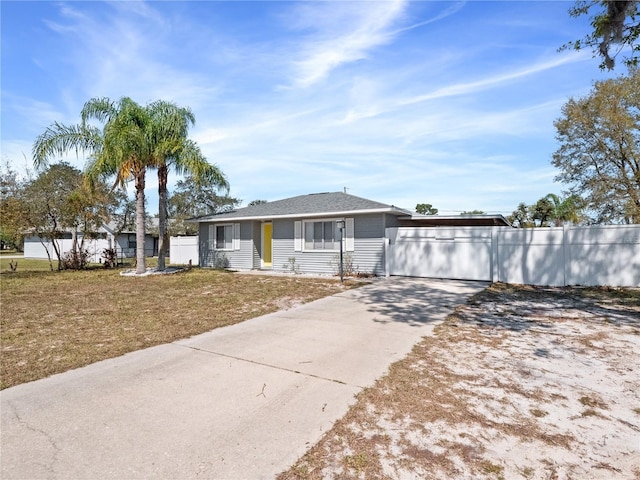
(344, 213)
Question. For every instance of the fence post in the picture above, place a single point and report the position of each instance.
(387, 272)
(495, 275)
(566, 255)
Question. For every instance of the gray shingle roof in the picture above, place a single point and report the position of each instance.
(313, 204)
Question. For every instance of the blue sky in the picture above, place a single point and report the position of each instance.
(448, 103)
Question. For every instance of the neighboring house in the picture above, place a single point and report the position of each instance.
(302, 233)
(125, 241)
(106, 237)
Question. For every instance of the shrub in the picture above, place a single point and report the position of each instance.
(348, 268)
(291, 265)
(75, 260)
(110, 258)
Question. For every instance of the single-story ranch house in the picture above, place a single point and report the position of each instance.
(303, 233)
(124, 243)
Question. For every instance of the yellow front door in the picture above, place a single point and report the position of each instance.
(267, 236)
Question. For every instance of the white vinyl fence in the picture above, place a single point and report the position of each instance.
(184, 250)
(594, 255)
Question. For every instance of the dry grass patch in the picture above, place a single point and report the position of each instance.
(511, 385)
(55, 321)
(25, 265)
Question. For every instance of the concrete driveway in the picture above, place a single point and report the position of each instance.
(244, 401)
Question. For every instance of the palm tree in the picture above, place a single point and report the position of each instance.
(173, 149)
(568, 209)
(120, 149)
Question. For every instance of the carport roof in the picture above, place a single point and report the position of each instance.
(312, 205)
(482, 220)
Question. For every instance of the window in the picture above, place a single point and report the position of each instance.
(321, 235)
(132, 240)
(224, 237)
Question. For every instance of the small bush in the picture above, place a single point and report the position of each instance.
(110, 258)
(75, 260)
(291, 265)
(218, 260)
(348, 268)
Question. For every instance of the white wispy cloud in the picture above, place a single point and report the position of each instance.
(494, 81)
(452, 8)
(343, 33)
(32, 110)
(124, 53)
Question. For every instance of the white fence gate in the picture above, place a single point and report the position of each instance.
(184, 250)
(462, 253)
(594, 255)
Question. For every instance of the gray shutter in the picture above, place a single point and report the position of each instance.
(297, 239)
(236, 236)
(349, 227)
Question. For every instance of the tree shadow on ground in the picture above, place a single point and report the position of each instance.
(415, 301)
(519, 308)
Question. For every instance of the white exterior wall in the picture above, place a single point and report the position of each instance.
(33, 248)
(595, 255)
(184, 250)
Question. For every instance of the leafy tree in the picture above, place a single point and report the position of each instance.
(426, 209)
(123, 216)
(46, 206)
(12, 208)
(599, 154)
(615, 23)
(542, 211)
(89, 207)
(58, 201)
(521, 217)
(171, 148)
(256, 202)
(193, 198)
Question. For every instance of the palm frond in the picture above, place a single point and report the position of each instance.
(58, 139)
(101, 109)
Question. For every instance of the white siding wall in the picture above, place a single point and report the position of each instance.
(596, 255)
(33, 248)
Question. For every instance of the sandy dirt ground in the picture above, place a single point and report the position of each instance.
(520, 383)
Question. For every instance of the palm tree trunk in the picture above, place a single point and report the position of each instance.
(140, 259)
(163, 173)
